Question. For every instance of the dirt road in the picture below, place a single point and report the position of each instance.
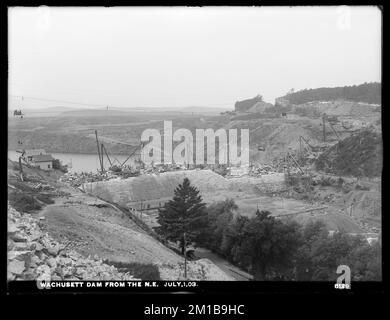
(224, 265)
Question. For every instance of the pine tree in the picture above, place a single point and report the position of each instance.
(185, 213)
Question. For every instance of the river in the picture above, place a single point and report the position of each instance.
(80, 162)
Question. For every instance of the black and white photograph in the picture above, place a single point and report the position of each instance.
(181, 149)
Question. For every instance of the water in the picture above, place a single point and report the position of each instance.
(80, 162)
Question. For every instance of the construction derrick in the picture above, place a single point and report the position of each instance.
(131, 154)
(105, 151)
(304, 145)
(100, 153)
(290, 160)
(324, 120)
(295, 162)
(21, 168)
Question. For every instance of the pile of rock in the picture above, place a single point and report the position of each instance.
(262, 169)
(77, 179)
(358, 155)
(34, 255)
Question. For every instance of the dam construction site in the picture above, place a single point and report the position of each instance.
(309, 162)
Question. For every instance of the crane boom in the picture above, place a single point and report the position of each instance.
(99, 153)
(105, 151)
(130, 155)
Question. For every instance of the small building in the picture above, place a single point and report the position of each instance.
(29, 153)
(42, 161)
(331, 233)
(333, 119)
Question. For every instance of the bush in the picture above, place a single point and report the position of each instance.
(22, 202)
(22, 186)
(115, 168)
(325, 181)
(143, 271)
(45, 198)
(273, 249)
(362, 187)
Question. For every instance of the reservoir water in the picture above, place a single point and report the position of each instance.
(80, 162)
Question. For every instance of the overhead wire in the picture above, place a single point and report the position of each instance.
(23, 97)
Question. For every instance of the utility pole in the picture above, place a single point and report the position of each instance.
(288, 164)
(102, 155)
(323, 126)
(228, 151)
(185, 255)
(105, 151)
(300, 150)
(21, 168)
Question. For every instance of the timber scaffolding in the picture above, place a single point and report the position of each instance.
(313, 151)
(320, 210)
(102, 150)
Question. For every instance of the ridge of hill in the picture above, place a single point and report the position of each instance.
(367, 92)
(252, 105)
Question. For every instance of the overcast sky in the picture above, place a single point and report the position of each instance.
(174, 57)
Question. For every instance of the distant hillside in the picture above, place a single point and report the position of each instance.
(202, 110)
(255, 104)
(93, 113)
(367, 92)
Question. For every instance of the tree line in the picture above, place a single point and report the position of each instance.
(267, 247)
(366, 92)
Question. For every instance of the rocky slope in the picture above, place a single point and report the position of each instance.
(58, 239)
(33, 254)
(357, 155)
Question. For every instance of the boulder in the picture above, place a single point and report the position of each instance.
(16, 267)
(22, 246)
(37, 246)
(52, 262)
(53, 251)
(17, 237)
(65, 261)
(12, 229)
(19, 255)
(43, 269)
(10, 245)
(35, 261)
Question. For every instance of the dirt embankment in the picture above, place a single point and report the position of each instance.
(98, 228)
(153, 186)
(89, 227)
